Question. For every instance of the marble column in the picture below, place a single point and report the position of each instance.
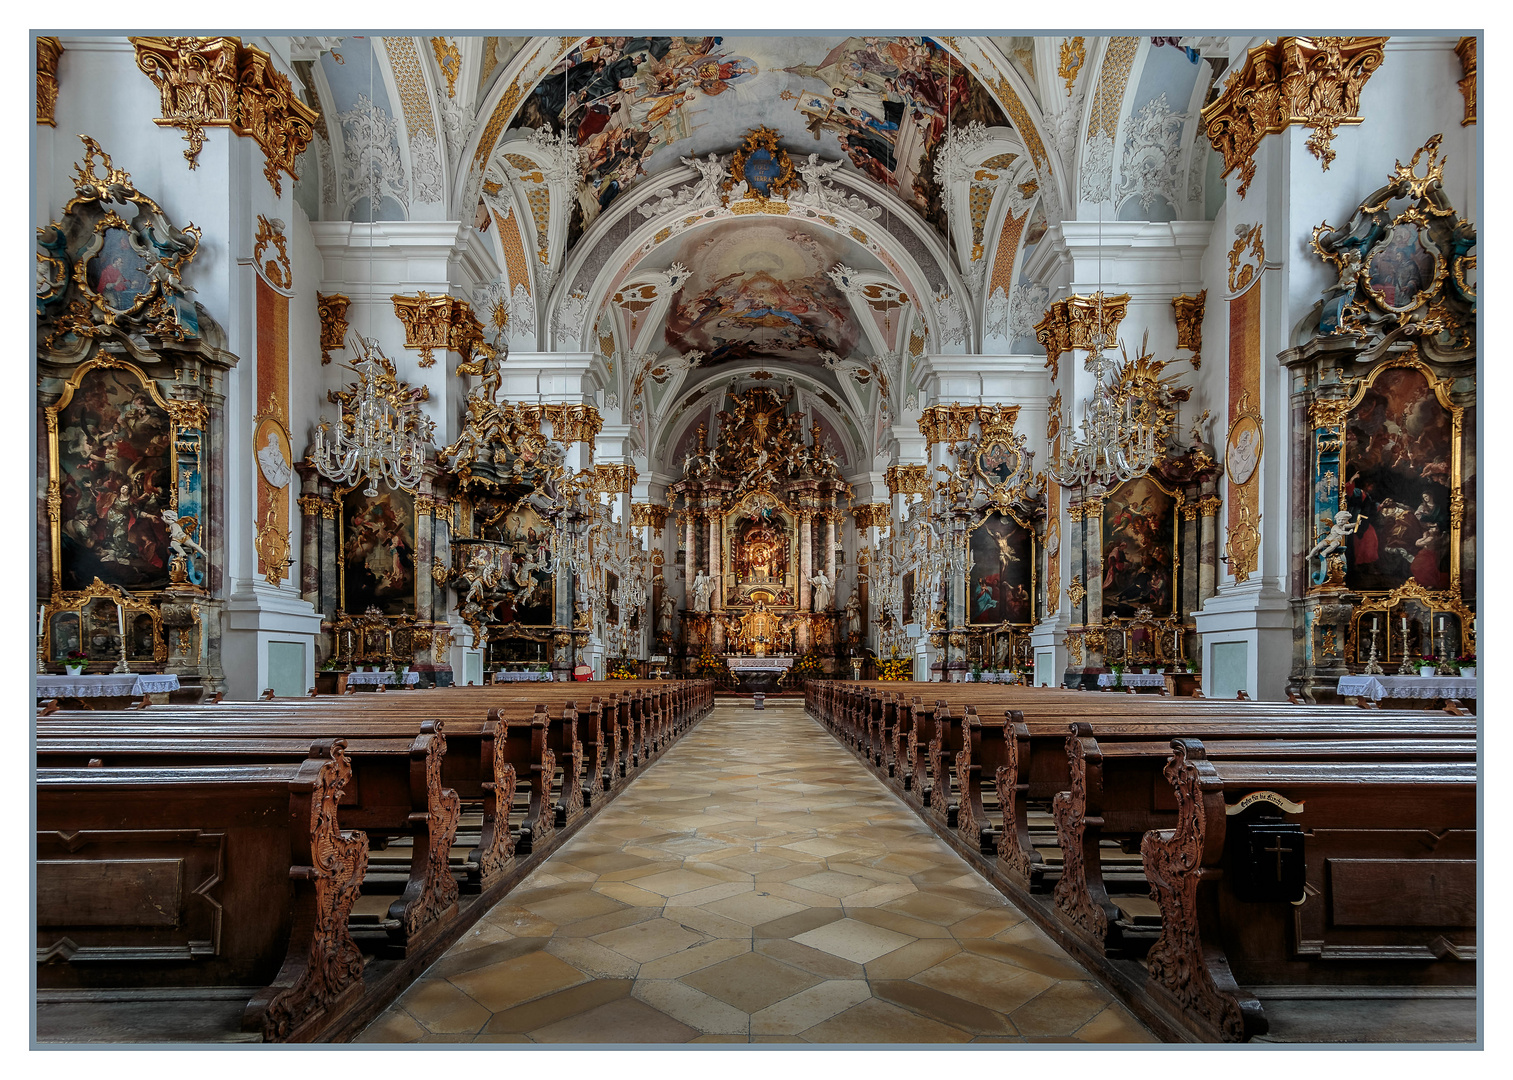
(425, 518)
(716, 572)
(309, 533)
(330, 587)
(1093, 521)
(688, 561)
(1190, 563)
(1208, 552)
(806, 560)
(830, 552)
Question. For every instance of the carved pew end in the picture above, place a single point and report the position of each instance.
(1454, 707)
(220, 696)
(49, 707)
(1241, 695)
(310, 692)
(266, 695)
(1366, 703)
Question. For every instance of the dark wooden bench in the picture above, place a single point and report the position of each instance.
(1390, 886)
(204, 876)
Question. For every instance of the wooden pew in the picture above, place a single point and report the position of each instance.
(217, 875)
(1115, 793)
(395, 789)
(1390, 885)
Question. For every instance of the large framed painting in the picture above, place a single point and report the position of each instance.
(907, 607)
(612, 594)
(1139, 548)
(1001, 582)
(1402, 468)
(377, 552)
(113, 462)
(519, 547)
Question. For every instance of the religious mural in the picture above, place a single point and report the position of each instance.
(1139, 532)
(759, 290)
(378, 552)
(634, 105)
(1397, 469)
(761, 553)
(115, 447)
(999, 586)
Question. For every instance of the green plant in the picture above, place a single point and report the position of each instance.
(78, 656)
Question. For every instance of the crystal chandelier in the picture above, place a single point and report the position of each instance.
(382, 433)
(1123, 427)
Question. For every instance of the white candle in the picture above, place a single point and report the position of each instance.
(41, 612)
(121, 619)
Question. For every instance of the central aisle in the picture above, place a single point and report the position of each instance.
(756, 884)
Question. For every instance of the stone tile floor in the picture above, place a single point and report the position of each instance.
(755, 885)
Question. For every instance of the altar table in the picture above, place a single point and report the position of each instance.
(110, 685)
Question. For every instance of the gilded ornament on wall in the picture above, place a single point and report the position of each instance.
(277, 271)
(1315, 82)
(1248, 242)
(1466, 50)
(907, 480)
(1411, 271)
(1189, 314)
(219, 82)
(1244, 544)
(48, 51)
(1073, 56)
(1071, 322)
(332, 310)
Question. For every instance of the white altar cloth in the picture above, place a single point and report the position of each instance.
(759, 663)
(81, 686)
(380, 678)
(1377, 687)
(1133, 678)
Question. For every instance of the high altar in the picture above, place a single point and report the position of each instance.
(760, 513)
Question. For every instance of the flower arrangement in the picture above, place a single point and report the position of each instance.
(708, 661)
(77, 656)
(895, 669)
(1426, 658)
(808, 664)
(1466, 659)
(621, 668)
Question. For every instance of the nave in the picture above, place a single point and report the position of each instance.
(756, 885)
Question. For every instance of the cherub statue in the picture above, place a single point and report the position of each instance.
(1201, 424)
(180, 543)
(1334, 541)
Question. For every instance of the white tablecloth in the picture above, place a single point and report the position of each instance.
(1377, 687)
(81, 686)
(759, 663)
(522, 676)
(1132, 678)
(384, 678)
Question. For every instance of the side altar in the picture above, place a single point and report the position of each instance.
(760, 514)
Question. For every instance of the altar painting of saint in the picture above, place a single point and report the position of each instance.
(115, 478)
(998, 587)
(116, 272)
(378, 552)
(1401, 268)
(1139, 529)
(1398, 444)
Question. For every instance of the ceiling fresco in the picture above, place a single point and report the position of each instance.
(637, 104)
(759, 290)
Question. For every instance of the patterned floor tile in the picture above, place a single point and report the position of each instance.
(756, 884)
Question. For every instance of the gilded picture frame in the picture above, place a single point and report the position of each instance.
(342, 515)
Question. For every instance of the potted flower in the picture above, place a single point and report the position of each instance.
(1118, 670)
(75, 661)
(1426, 665)
(400, 670)
(1467, 662)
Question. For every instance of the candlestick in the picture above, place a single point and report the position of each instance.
(1406, 666)
(121, 668)
(1372, 667)
(41, 611)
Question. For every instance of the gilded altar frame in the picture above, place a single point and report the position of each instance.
(751, 505)
(182, 416)
(1441, 387)
(1382, 605)
(77, 603)
(1029, 527)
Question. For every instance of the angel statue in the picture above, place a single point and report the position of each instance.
(824, 591)
(1334, 540)
(180, 543)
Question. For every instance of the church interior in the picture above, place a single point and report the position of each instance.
(497, 501)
